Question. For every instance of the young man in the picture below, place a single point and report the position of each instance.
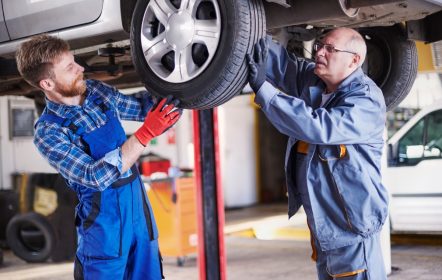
(81, 136)
(334, 116)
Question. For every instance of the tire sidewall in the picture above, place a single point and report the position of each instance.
(210, 78)
(17, 246)
(400, 62)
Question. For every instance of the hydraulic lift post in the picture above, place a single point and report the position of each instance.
(210, 204)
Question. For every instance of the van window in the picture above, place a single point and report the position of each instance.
(423, 141)
(433, 142)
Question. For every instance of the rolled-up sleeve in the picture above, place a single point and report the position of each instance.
(114, 158)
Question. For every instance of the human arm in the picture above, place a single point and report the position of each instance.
(64, 151)
(134, 107)
(358, 117)
(131, 107)
(282, 70)
(156, 122)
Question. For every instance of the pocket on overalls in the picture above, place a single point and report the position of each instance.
(101, 230)
(363, 204)
(346, 261)
(358, 196)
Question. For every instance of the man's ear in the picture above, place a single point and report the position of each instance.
(47, 84)
(356, 60)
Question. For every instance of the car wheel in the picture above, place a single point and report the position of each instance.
(8, 209)
(30, 237)
(195, 50)
(391, 62)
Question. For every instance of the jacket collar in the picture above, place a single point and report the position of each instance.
(353, 81)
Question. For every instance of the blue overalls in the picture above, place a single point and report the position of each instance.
(332, 162)
(117, 234)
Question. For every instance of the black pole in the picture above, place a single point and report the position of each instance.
(209, 194)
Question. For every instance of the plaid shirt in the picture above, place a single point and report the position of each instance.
(66, 151)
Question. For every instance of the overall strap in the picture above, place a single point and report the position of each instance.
(127, 180)
(50, 117)
(99, 101)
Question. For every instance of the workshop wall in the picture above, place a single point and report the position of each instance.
(17, 151)
(238, 152)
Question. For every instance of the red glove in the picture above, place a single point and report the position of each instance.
(156, 122)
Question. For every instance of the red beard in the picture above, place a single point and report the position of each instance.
(73, 89)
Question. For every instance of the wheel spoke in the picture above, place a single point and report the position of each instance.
(207, 32)
(156, 51)
(188, 31)
(189, 5)
(184, 66)
(146, 43)
(162, 9)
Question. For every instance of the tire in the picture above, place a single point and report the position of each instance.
(219, 70)
(30, 237)
(8, 209)
(391, 62)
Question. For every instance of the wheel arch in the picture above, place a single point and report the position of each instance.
(127, 7)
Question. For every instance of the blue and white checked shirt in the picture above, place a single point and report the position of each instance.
(66, 152)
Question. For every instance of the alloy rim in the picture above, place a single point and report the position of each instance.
(179, 39)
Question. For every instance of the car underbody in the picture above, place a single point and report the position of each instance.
(294, 23)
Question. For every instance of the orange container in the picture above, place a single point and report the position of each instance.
(175, 216)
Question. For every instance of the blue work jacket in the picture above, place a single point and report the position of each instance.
(346, 197)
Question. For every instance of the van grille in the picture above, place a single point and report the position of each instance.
(437, 54)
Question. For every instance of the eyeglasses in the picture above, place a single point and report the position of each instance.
(328, 48)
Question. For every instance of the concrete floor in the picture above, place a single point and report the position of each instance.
(287, 257)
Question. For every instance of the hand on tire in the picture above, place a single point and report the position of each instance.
(158, 120)
(257, 64)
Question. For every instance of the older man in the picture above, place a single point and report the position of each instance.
(334, 116)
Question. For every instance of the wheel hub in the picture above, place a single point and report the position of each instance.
(178, 44)
(180, 30)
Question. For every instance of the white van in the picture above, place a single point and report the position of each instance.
(414, 173)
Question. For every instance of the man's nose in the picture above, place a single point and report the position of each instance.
(80, 68)
(320, 51)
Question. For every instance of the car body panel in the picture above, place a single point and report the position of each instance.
(4, 36)
(106, 28)
(416, 189)
(25, 18)
(416, 203)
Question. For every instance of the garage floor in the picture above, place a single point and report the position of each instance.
(284, 254)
